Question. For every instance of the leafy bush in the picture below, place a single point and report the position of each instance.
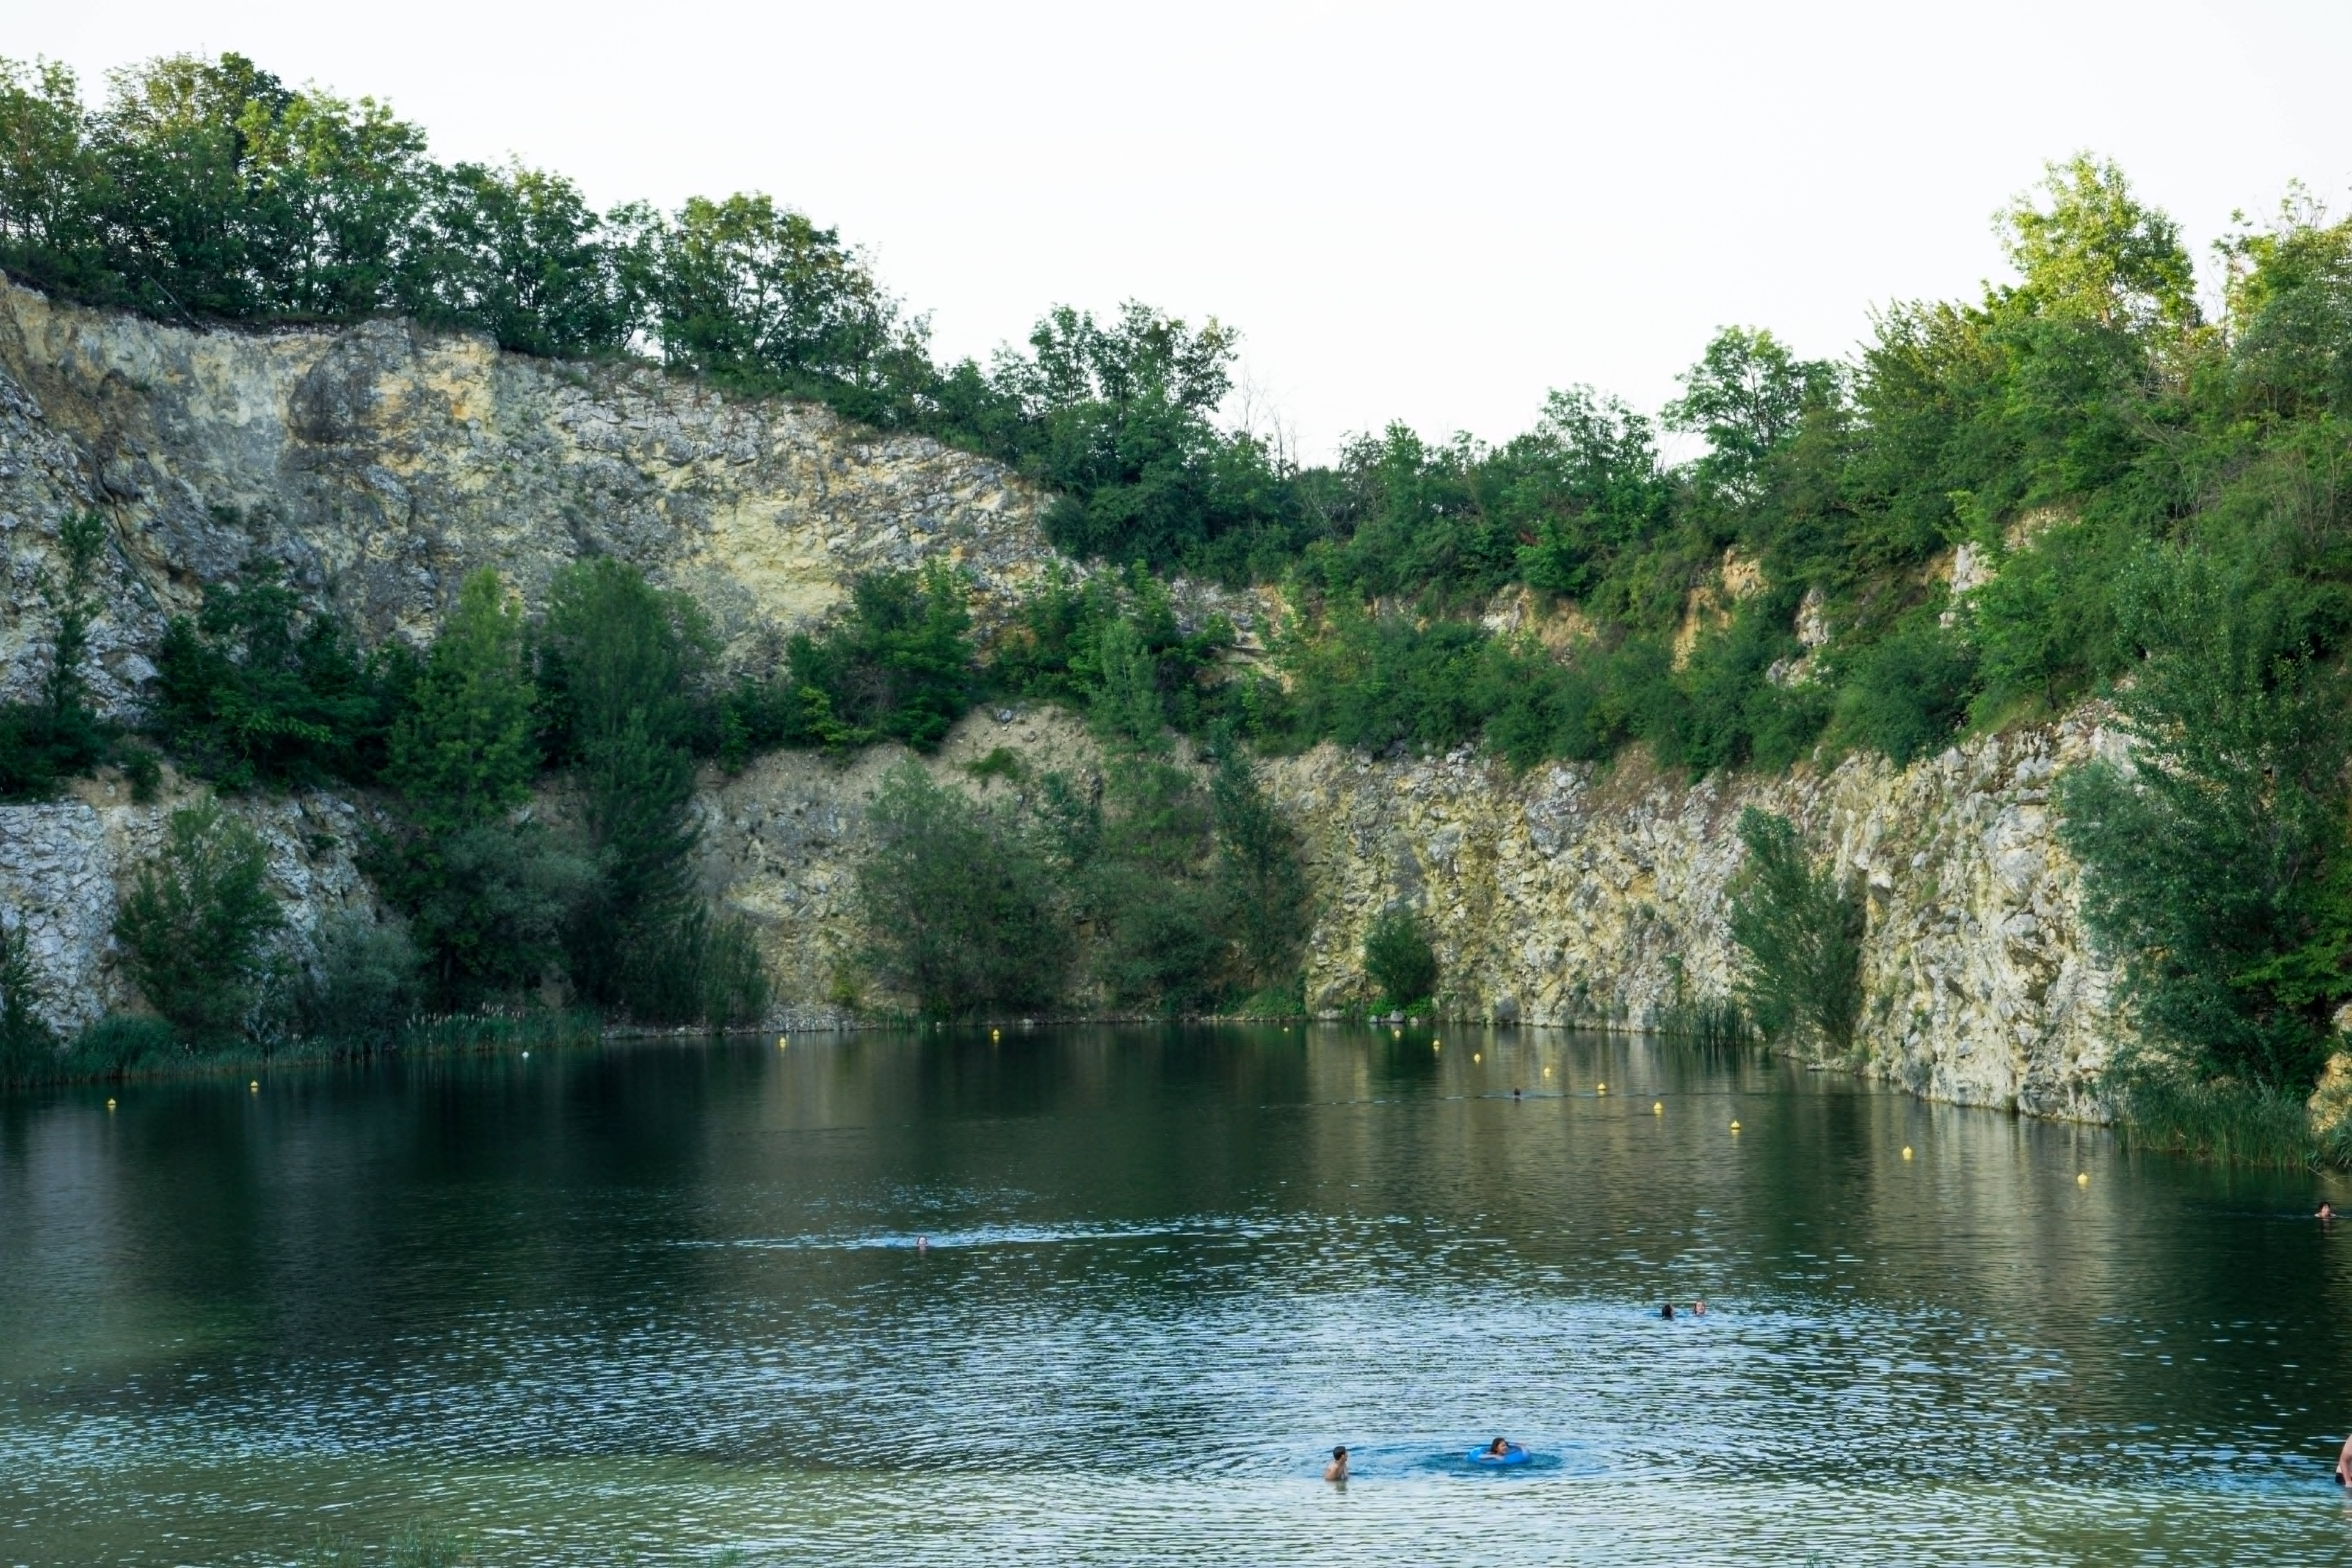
(196, 923)
(490, 906)
(1111, 647)
(2046, 623)
(364, 984)
(897, 666)
(1399, 959)
(1907, 694)
(1800, 934)
(960, 903)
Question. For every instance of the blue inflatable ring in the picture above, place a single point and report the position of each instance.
(1514, 1455)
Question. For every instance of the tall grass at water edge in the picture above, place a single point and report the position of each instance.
(123, 1046)
(1713, 1023)
(2228, 1122)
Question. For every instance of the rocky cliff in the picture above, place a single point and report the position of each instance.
(380, 463)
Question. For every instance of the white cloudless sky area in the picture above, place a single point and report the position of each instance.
(1423, 212)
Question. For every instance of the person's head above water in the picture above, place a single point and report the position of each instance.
(1340, 1452)
(2324, 1210)
(1667, 1310)
(1499, 1446)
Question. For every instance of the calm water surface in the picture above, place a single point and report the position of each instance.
(658, 1304)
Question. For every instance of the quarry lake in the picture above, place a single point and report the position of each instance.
(669, 1303)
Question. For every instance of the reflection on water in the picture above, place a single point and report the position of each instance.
(1112, 1295)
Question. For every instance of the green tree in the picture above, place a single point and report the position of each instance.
(516, 253)
(2085, 246)
(1748, 396)
(625, 666)
(960, 903)
(487, 893)
(747, 289)
(198, 923)
(1800, 936)
(2216, 869)
(362, 985)
(465, 752)
(28, 1046)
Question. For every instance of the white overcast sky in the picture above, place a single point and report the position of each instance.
(1424, 212)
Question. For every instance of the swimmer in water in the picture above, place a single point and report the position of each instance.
(1337, 1470)
(1698, 1309)
(1667, 1312)
(2343, 1464)
(1501, 1449)
(2324, 1210)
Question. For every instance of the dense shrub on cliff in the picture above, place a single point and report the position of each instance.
(1399, 959)
(28, 1047)
(1140, 886)
(257, 688)
(2217, 868)
(56, 736)
(1800, 936)
(196, 923)
(897, 665)
(960, 901)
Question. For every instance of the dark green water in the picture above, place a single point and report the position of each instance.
(654, 1303)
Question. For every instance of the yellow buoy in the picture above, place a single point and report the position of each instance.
(1600, 1088)
(1735, 1127)
(2083, 1179)
(110, 1105)
(1657, 1107)
(1477, 1057)
(1547, 1072)
(1437, 1045)
(1906, 1151)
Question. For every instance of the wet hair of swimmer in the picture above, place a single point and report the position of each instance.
(1667, 1310)
(1340, 1452)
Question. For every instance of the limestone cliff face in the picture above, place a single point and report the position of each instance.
(380, 463)
(1580, 895)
